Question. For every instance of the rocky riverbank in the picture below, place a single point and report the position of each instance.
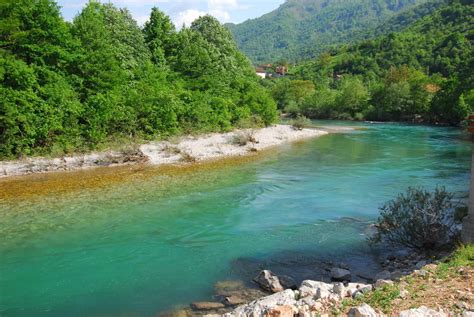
(410, 286)
(183, 150)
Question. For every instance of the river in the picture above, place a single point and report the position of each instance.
(137, 241)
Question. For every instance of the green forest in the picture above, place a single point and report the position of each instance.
(421, 74)
(101, 79)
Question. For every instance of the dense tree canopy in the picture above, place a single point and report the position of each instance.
(74, 86)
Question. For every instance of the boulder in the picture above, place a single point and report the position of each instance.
(381, 283)
(314, 288)
(422, 312)
(384, 275)
(287, 282)
(206, 305)
(362, 311)
(468, 314)
(352, 289)
(281, 311)
(268, 281)
(396, 275)
(338, 274)
(258, 307)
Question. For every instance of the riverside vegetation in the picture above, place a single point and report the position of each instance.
(102, 79)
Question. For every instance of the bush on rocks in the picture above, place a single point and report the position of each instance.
(418, 219)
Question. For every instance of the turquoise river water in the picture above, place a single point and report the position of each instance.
(155, 239)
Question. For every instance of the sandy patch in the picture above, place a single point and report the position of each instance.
(185, 150)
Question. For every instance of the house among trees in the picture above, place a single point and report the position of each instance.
(268, 70)
(261, 72)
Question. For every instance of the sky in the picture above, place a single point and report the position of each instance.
(184, 11)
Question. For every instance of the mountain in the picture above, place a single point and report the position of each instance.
(301, 29)
(422, 73)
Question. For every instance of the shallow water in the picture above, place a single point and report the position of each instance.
(138, 241)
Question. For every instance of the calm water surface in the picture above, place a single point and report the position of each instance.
(158, 239)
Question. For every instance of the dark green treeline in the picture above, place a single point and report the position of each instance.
(75, 86)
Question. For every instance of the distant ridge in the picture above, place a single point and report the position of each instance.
(301, 29)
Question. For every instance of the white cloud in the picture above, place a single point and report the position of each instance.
(221, 15)
(217, 8)
(141, 19)
(187, 17)
(222, 4)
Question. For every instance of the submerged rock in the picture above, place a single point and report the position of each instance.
(384, 275)
(207, 305)
(338, 274)
(228, 288)
(287, 282)
(234, 300)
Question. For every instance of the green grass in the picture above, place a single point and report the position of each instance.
(384, 297)
(463, 256)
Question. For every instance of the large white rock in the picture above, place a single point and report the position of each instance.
(423, 311)
(314, 288)
(362, 311)
(259, 307)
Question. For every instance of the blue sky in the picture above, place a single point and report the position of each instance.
(184, 11)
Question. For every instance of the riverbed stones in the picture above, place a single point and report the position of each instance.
(207, 305)
(228, 288)
(363, 310)
(338, 274)
(423, 311)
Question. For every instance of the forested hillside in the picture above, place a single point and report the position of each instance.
(424, 73)
(300, 29)
(74, 86)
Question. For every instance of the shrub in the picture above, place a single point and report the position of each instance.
(300, 123)
(242, 138)
(418, 219)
